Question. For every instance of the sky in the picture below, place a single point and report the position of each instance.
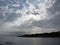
(29, 16)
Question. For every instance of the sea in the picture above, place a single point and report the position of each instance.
(13, 40)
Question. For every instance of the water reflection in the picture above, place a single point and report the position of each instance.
(29, 41)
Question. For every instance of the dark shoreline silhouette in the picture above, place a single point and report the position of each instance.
(44, 35)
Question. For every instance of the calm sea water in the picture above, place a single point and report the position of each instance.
(5, 40)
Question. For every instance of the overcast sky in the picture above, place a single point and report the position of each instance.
(29, 16)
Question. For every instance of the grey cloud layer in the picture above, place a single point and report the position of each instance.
(10, 11)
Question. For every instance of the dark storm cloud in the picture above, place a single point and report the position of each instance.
(55, 11)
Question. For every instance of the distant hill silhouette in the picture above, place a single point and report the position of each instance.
(52, 34)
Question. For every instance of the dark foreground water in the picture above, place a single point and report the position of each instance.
(5, 40)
